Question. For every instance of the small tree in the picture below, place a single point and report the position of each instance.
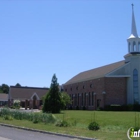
(4, 88)
(65, 99)
(52, 102)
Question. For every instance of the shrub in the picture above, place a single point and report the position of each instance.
(70, 108)
(98, 109)
(16, 104)
(77, 107)
(62, 124)
(136, 107)
(74, 123)
(93, 126)
(129, 107)
(6, 117)
(35, 118)
(84, 108)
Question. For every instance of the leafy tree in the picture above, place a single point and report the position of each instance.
(4, 88)
(18, 85)
(65, 99)
(52, 102)
(1, 90)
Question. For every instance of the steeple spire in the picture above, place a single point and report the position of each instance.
(133, 28)
(133, 40)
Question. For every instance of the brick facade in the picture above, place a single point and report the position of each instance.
(116, 91)
(95, 93)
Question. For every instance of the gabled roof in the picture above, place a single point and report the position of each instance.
(23, 93)
(3, 97)
(95, 73)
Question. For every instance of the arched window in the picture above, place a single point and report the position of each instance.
(135, 86)
(134, 47)
(129, 47)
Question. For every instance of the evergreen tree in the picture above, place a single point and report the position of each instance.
(18, 85)
(52, 102)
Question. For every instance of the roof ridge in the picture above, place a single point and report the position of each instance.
(28, 87)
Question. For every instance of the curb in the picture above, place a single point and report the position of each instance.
(47, 132)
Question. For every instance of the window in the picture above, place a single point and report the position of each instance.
(78, 99)
(82, 99)
(71, 88)
(83, 87)
(85, 99)
(89, 99)
(98, 102)
(139, 46)
(135, 86)
(134, 47)
(92, 98)
(75, 100)
(77, 88)
(129, 47)
(91, 85)
(72, 99)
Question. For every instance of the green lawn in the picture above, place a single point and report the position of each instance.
(113, 125)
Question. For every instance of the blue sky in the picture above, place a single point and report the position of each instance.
(41, 37)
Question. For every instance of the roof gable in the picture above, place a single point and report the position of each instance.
(35, 95)
(95, 73)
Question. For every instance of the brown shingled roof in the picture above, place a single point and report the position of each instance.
(23, 93)
(95, 73)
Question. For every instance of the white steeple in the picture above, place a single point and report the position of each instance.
(133, 40)
(133, 28)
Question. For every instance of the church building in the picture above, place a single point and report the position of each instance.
(113, 84)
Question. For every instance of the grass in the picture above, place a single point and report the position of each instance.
(113, 125)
